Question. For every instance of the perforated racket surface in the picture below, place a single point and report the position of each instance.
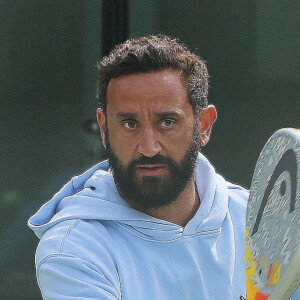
(273, 220)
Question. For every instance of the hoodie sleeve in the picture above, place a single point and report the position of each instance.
(66, 277)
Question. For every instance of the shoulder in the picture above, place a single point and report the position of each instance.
(238, 201)
(88, 240)
(238, 194)
(75, 259)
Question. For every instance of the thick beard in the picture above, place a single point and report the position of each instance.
(151, 191)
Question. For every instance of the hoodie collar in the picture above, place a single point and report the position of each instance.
(94, 196)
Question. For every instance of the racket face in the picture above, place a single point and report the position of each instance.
(273, 213)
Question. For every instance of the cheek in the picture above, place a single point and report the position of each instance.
(178, 145)
(122, 147)
(185, 135)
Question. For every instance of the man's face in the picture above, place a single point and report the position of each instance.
(151, 135)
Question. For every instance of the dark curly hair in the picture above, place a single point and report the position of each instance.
(155, 53)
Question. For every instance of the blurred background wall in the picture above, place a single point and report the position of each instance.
(48, 50)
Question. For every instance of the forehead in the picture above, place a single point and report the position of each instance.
(157, 90)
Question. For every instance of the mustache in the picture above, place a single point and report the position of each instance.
(154, 160)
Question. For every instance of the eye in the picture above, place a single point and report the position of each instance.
(129, 124)
(167, 123)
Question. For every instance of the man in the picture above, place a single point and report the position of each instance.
(157, 222)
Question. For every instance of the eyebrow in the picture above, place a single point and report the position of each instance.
(169, 114)
(166, 114)
(125, 115)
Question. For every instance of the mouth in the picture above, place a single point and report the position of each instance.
(151, 170)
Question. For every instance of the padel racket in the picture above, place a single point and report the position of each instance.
(273, 220)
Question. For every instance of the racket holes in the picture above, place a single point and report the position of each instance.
(282, 188)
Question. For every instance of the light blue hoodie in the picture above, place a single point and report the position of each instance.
(95, 246)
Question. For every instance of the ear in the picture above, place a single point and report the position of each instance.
(102, 125)
(207, 118)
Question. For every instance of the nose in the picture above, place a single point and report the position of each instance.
(148, 143)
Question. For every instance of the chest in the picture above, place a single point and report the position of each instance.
(201, 266)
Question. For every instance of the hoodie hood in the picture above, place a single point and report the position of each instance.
(94, 196)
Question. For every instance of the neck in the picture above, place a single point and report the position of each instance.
(180, 211)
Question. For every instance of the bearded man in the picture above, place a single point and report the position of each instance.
(155, 221)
